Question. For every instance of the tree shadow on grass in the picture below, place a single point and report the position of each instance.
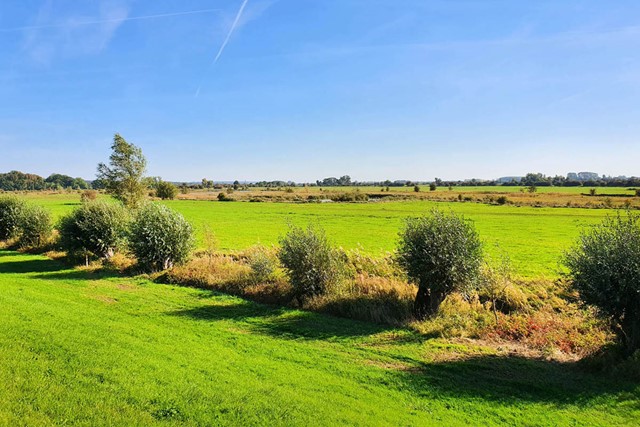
(283, 322)
(31, 266)
(505, 380)
(75, 274)
(513, 380)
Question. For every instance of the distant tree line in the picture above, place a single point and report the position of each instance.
(20, 181)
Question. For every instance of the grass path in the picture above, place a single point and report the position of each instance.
(81, 348)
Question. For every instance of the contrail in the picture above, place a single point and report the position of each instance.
(226, 40)
(105, 21)
(233, 27)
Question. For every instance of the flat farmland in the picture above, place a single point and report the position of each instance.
(533, 238)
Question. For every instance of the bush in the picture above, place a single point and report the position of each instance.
(312, 265)
(224, 198)
(11, 211)
(94, 229)
(604, 268)
(166, 190)
(416, 188)
(432, 187)
(502, 200)
(88, 196)
(35, 226)
(263, 263)
(160, 238)
(441, 253)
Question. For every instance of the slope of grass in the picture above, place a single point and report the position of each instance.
(534, 238)
(80, 348)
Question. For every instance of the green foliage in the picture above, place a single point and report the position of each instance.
(532, 188)
(502, 200)
(604, 268)
(312, 265)
(19, 181)
(416, 188)
(592, 191)
(166, 190)
(441, 253)
(95, 228)
(224, 198)
(263, 263)
(432, 186)
(35, 226)
(11, 211)
(124, 178)
(160, 237)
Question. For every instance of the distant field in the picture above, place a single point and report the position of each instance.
(500, 189)
(534, 238)
(80, 348)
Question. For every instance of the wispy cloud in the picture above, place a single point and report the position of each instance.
(52, 36)
(75, 22)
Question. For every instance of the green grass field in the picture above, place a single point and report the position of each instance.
(534, 238)
(90, 349)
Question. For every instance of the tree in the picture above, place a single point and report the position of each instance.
(124, 177)
(416, 188)
(432, 186)
(310, 262)
(11, 211)
(441, 253)
(160, 238)
(166, 190)
(604, 267)
(35, 226)
(94, 229)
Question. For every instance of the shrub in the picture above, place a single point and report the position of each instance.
(432, 187)
(310, 262)
(35, 226)
(416, 188)
(160, 238)
(166, 190)
(592, 191)
(502, 200)
(96, 229)
(224, 198)
(11, 210)
(263, 263)
(441, 253)
(637, 192)
(604, 268)
(88, 196)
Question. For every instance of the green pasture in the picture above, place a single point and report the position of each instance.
(82, 348)
(486, 189)
(533, 238)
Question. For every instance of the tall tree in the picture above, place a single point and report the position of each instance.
(124, 177)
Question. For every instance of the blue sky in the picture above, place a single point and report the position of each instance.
(305, 89)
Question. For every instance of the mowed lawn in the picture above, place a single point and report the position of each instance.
(533, 238)
(80, 348)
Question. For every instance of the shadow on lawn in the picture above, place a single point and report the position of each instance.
(283, 322)
(505, 380)
(31, 266)
(511, 380)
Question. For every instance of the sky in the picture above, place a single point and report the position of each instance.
(306, 89)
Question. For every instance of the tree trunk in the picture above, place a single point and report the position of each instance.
(427, 302)
(631, 332)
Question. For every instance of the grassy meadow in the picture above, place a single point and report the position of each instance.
(85, 348)
(534, 238)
